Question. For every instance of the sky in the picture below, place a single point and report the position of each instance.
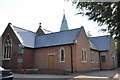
(28, 14)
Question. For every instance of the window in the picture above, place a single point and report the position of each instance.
(92, 57)
(97, 57)
(7, 48)
(62, 55)
(84, 55)
(21, 50)
(103, 58)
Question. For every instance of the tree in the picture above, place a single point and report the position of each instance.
(104, 13)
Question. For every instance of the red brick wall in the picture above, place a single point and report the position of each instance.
(110, 62)
(82, 43)
(96, 63)
(28, 58)
(12, 63)
(41, 57)
(106, 65)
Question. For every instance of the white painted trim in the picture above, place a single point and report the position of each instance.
(7, 59)
(51, 54)
(76, 41)
(103, 54)
(95, 68)
(84, 61)
(82, 54)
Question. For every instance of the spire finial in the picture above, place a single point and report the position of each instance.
(40, 25)
(9, 23)
(63, 10)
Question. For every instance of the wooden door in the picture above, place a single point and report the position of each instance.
(51, 61)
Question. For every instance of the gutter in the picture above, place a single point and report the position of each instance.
(71, 59)
(100, 61)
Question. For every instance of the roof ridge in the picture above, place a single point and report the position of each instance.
(60, 31)
(99, 36)
(24, 29)
(47, 30)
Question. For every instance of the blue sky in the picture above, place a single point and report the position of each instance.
(28, 14)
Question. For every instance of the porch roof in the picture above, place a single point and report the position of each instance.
(102, 43)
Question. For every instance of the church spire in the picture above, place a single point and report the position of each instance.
(64, 25)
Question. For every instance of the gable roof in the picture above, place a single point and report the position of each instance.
(27, 38)
(33, 40)
(101, 42)
(58, 38)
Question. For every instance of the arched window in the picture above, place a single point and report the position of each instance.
(7, 48)
(62, 55)
(84, 55)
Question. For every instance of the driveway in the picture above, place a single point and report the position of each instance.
(104, 74)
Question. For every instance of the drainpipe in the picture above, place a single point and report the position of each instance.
(71, 59)
(100, 61)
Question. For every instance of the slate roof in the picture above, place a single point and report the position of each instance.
(58, 38)
(101, 43)
(27, 38)
(92, 46)
(33, 40)
(46, 31)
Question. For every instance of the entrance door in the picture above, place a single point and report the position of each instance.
(51, 61)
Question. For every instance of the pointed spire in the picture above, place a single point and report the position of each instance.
(64, 25)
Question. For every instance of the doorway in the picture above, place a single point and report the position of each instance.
(51, 61)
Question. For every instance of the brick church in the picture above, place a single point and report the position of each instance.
(61, 52)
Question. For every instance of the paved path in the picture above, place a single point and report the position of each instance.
(105, 74)
(100, 74)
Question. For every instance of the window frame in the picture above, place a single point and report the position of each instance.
(20, 49)
(84, 55)
(97, 57)
(61, 55)
(92, 57)
(7, 48)
(102, 59)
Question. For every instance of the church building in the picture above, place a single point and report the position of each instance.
(66, 51)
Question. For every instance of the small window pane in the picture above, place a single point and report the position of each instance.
(62, 55)
(103, 58)
(84, 55)
(7, 48)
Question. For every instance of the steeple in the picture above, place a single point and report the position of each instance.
(64, 25)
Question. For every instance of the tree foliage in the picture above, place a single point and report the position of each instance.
(104, 13)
